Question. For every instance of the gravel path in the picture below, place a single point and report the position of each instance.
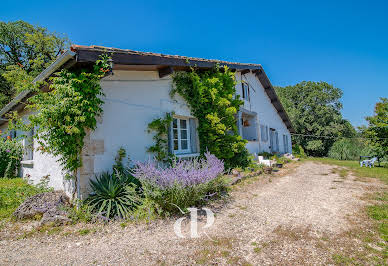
(289, 218)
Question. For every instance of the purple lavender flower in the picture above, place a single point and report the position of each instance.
(8, 151)
(183, 172)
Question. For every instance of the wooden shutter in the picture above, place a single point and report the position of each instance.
(277, 141)
(169, 140)
(194, 143)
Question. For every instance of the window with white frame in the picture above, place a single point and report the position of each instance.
(181, 135)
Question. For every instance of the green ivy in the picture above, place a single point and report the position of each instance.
(211, 96)
(159, 127)
(63, 115)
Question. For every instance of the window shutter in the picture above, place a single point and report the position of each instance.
(194, 143)
(169, 139)
(286, 150)
(262, 133)
(277, 141)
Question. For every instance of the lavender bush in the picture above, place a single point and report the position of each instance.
(187, 183)
(183, 172)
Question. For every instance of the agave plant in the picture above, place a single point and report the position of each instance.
(114, 195)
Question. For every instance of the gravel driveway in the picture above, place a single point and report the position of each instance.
(300, 215)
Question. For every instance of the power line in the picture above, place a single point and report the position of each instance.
(331, 137)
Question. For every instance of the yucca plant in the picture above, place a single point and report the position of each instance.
(114, 195)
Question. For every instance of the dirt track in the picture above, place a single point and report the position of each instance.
(301, 216)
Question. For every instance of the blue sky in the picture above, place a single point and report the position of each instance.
(342, 42)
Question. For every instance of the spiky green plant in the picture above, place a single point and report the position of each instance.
(113, 196)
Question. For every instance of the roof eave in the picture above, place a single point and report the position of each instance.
(86, 54)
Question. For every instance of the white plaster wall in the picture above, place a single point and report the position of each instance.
(266, 112)
(42, 165)
(132, 100)
(45, 164)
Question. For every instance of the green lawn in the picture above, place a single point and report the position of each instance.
(12, 193)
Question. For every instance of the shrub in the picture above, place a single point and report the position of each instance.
(182, 172)
(185, 184)
(113, 195)
(265, 154)
(10, 156)
(79, 212)
(346, 149)
(14, 192)
(298, 150)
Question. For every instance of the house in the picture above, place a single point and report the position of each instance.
(137, 93)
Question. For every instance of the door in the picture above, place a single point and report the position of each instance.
(273, 140)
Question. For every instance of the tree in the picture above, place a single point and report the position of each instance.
(315, 109)
(25, 50)
(377, 129)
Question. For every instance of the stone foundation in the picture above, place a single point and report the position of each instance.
(91, 148)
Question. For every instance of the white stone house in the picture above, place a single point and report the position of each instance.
(137, 93)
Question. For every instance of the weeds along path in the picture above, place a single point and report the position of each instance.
(302, 215)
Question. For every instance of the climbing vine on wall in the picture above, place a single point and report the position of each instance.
(63, 115)
(160, 127)
(211, 96)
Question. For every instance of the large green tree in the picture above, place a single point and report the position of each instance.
(25, 50)
(377, 130)
(315, 109)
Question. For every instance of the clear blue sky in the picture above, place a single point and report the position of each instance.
(342, 42)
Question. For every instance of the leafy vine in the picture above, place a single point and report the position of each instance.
(211, 96)
(160, 127)
(63, 115)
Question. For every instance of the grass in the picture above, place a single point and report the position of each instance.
(342, 172)
(12, 193)
(84, 232)
(374, 172)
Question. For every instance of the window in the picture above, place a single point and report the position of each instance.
(181, 135)
(28, 145)
(249, 126)
(245, 91)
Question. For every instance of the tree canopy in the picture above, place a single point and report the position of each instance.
(315, 109)
(377, 129)
(25, 50)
